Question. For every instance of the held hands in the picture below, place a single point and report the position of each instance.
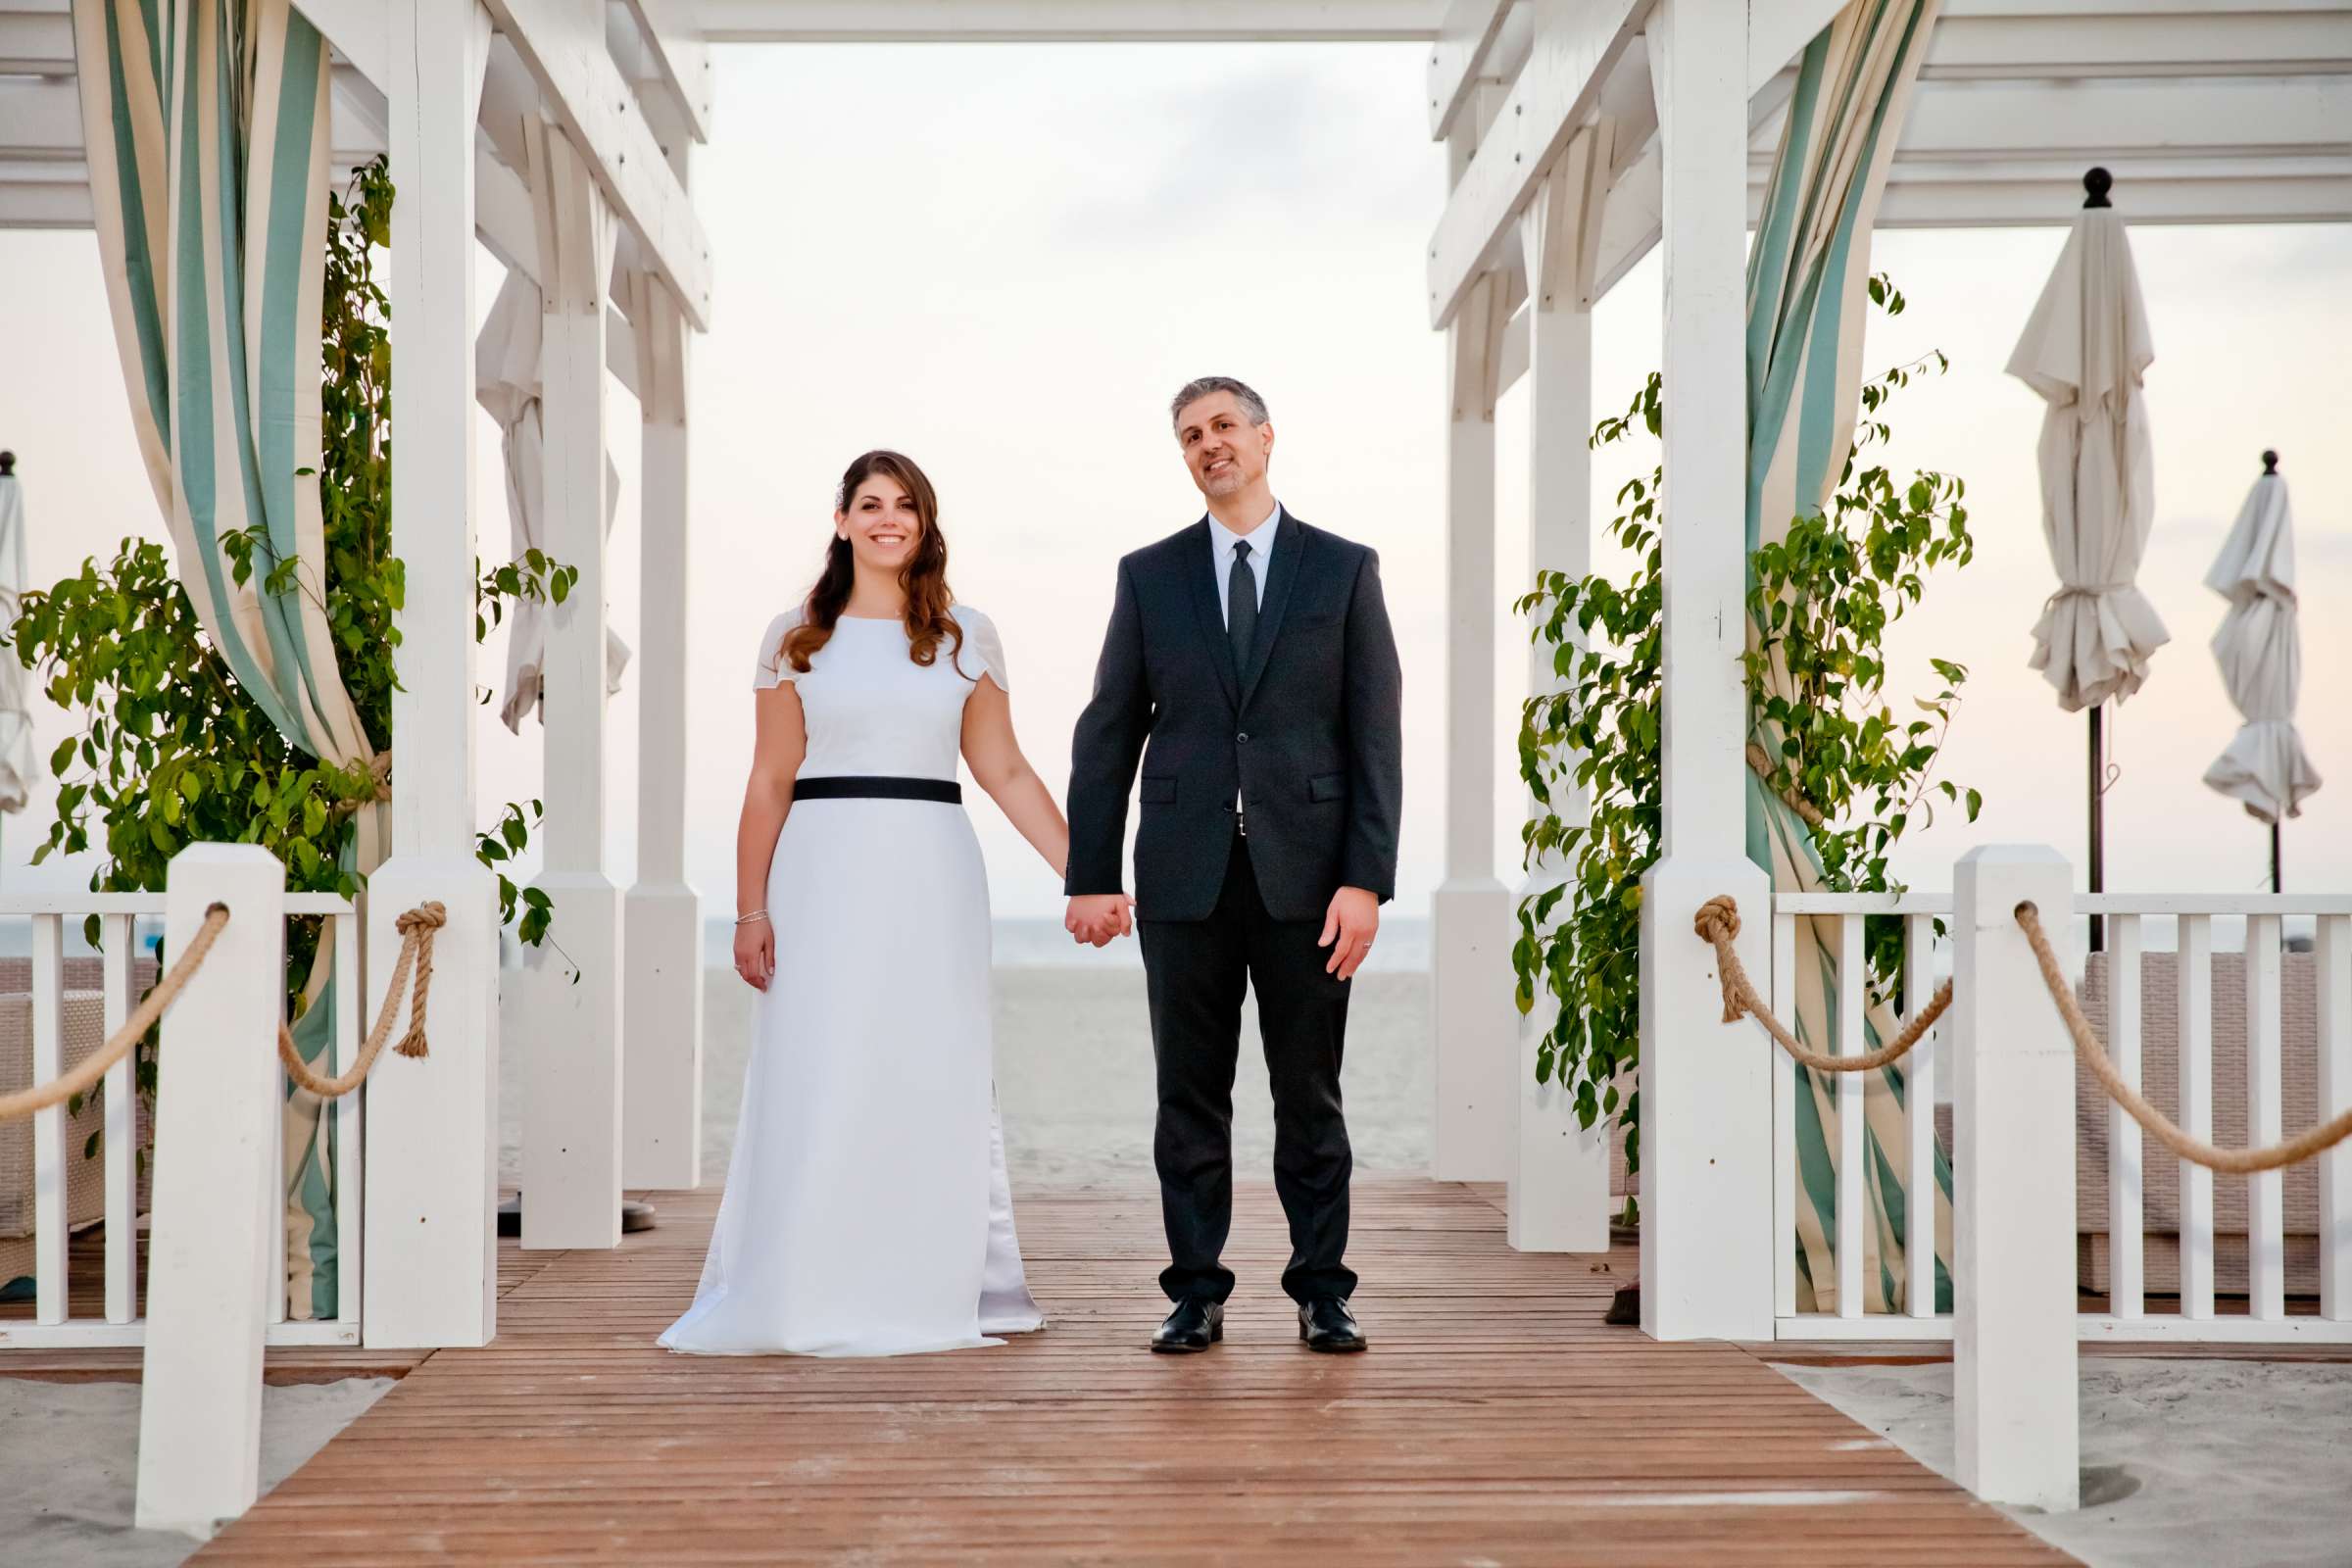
(756, 953)
(1353, 918)
(1098, 917)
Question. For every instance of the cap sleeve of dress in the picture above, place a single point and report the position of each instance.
(772, 670)
(983, 649)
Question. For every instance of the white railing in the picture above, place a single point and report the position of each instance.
(2193, 918)
(52, 1323)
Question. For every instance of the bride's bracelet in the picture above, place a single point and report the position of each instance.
(747, 919)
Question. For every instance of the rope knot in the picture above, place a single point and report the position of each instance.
(416, 927)
(1717, 919)
(430, 917)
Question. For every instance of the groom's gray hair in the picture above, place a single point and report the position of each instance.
(1253, 405)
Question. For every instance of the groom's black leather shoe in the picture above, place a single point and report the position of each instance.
(1326, 1324)
(1196, 1324)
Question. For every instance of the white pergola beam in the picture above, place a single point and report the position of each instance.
(1068, 20)
(1465, 42)
(680, 60)
(2311, 191)
(2276, 40)
(2064, 83)
(357, 29)
(563, 43)
(1578, 45)
(35, 43)
(1577, 42)
(40, 118)
(2088, 120)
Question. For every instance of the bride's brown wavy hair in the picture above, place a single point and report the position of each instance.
(924, 579)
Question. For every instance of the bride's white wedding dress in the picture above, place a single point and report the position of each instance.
(866, 1209)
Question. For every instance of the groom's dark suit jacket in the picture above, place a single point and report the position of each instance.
(1307, 730)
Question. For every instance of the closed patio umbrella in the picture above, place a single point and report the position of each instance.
(2260, 649)
(2085, 350)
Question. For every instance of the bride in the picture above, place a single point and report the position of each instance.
(866, 1209)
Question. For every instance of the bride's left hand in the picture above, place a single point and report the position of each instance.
(755, 953)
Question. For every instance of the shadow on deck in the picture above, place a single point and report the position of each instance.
(1496, 1419)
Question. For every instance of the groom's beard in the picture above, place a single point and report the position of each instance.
(1225, 483)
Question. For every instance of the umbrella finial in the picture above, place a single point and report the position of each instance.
(2270, 462)
(7, 465)
(2098, 183)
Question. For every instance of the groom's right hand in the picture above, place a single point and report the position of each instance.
(1098, 917)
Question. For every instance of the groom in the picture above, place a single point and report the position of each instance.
(1250, 665)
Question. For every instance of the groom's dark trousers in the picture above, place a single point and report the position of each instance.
(1305, 734)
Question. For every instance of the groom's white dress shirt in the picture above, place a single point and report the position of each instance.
(1221, 541)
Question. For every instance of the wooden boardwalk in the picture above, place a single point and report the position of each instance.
(1495, 1420)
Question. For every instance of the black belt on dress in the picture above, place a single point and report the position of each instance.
(877, 787)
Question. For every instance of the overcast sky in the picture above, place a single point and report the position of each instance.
(1003, 260)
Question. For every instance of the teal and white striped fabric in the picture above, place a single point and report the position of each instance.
(207, 127)
(1808, 278)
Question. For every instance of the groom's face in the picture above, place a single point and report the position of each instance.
(1225, 452)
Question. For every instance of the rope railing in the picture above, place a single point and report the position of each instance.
(416, 928)
(2230, 1162)
(1717, 923)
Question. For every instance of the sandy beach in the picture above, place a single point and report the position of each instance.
(2221, 1464)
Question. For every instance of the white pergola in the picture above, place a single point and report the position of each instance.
(1580, 134)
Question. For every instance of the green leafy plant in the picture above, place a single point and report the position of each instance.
(1820, 602)
(172, 751)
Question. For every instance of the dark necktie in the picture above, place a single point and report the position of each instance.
(1240, 606)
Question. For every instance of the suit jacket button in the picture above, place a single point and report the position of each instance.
(1242, 736)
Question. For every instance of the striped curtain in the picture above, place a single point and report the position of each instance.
(207, 128)
(1808, 277)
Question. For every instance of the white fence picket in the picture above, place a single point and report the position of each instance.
(2126, 1279)
(350, 988)
(2266, 1212)
(1918, 1115)
(2332, 956)
(49, 1216)
(2194, 980)
(1783, 1124)
(1851, 1190)
(122, 1138)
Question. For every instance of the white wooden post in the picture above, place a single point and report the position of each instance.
(217, 1197)
(431, 1158)
(1471, 918)
(2013, 1205)
(1558, 1191)
(571, 1113)
(662, 1042)
(1706, 1100)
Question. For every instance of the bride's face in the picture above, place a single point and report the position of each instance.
(881, 525)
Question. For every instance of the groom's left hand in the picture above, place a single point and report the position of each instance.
(1352, 918)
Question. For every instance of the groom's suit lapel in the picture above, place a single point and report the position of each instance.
(1290, 543)
(1201, 573)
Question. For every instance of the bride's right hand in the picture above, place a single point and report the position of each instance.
(755, 953)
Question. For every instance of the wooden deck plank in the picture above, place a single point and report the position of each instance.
(1495, 1417)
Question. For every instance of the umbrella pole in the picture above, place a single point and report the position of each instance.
(2099, 826)
(2276, 881)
